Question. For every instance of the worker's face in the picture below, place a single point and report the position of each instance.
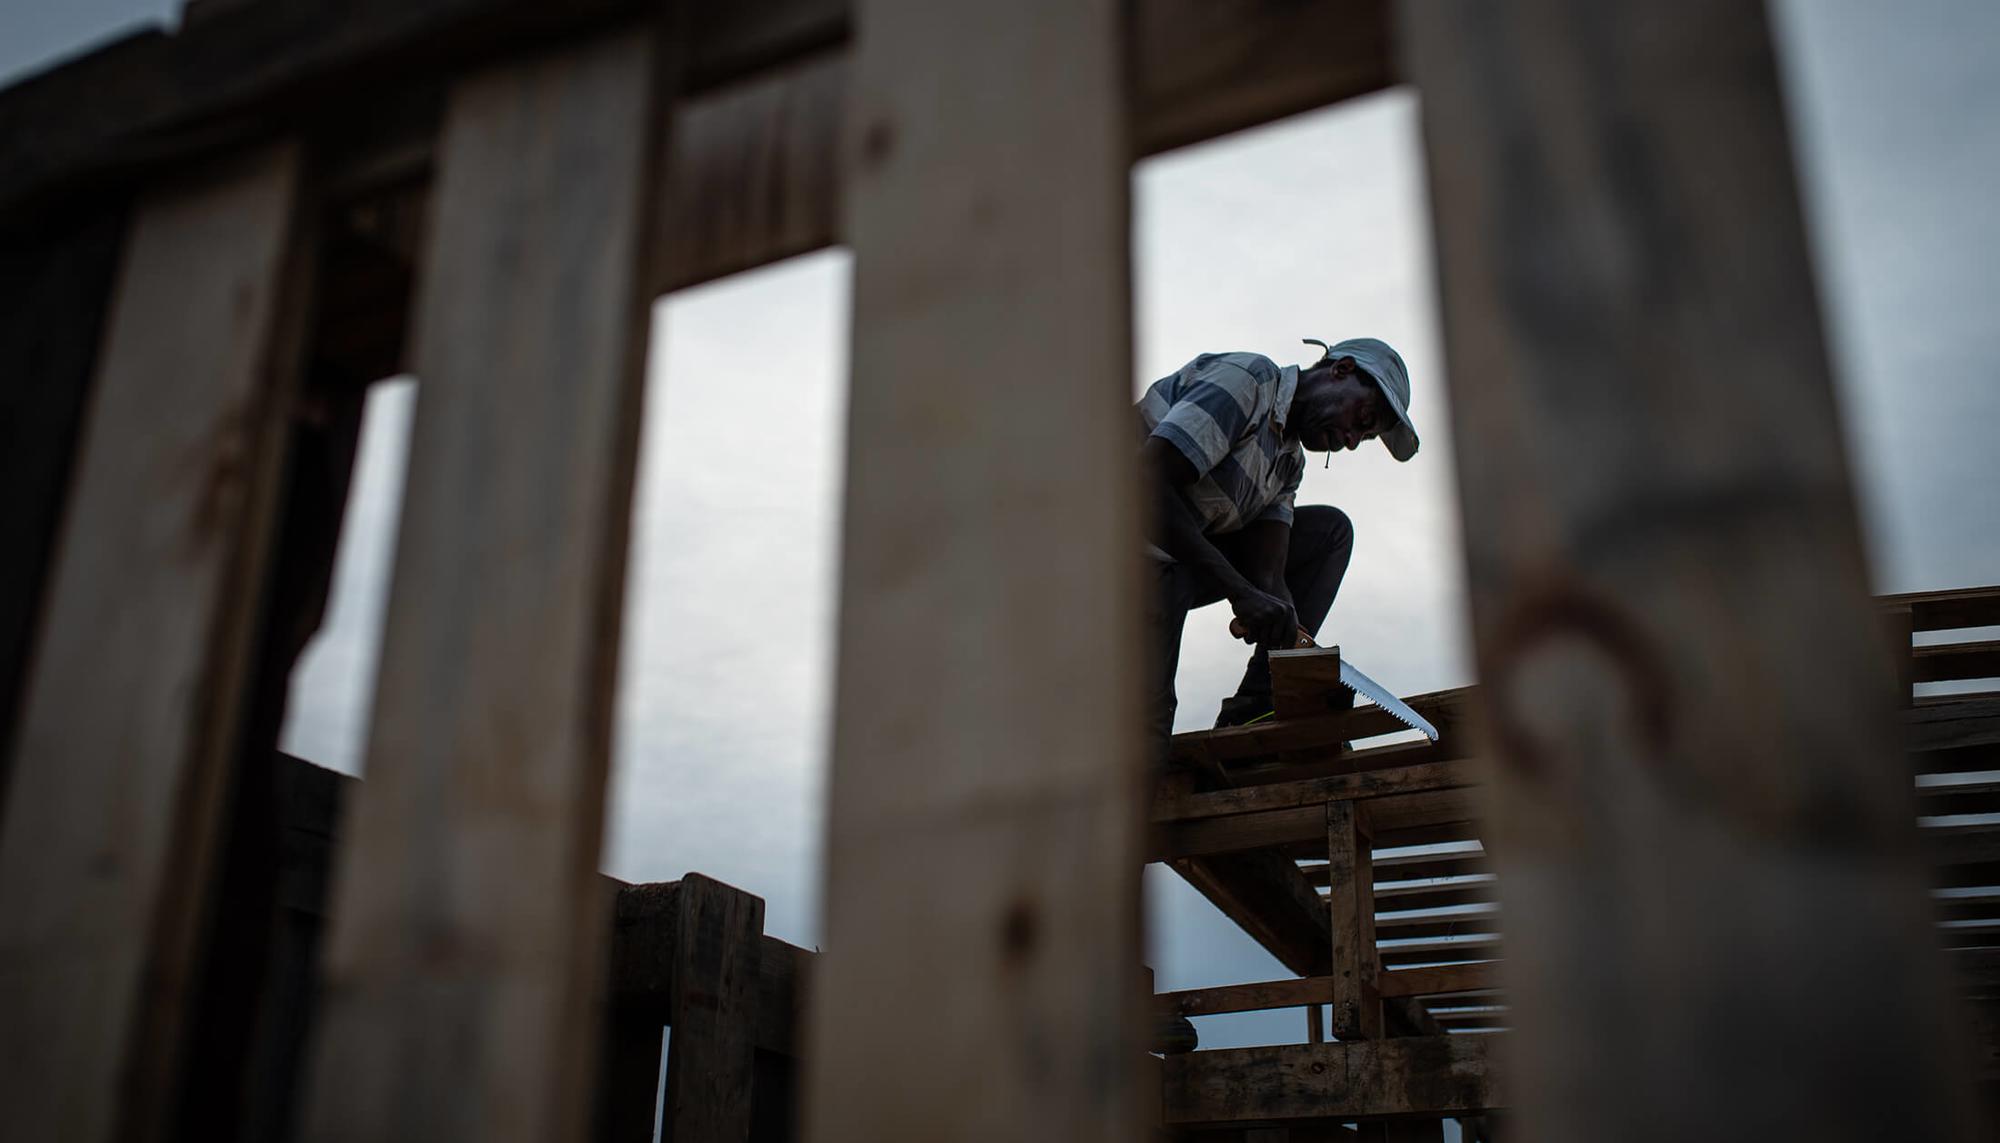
(1343, 410)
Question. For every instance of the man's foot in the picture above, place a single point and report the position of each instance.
(1242, 710)
(1173, 1035)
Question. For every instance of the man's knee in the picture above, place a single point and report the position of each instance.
(1322, 526)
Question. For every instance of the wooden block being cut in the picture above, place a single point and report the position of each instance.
(1306, 683)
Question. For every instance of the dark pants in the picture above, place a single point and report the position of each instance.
(1322, 541)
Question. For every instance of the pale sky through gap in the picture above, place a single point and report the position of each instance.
(1314, 227)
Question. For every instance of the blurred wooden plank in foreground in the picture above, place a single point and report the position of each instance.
(464, 956)
(979, 980)
(129, 723)
(1700, 840)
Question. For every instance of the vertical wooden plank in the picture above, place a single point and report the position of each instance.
(645, 924)
(467, 925)
(130, 718)
(983, 848)
(56, 281)
(1697, 780)
(714, 1014)
(1357, 1009)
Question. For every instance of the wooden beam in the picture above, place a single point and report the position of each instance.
(1432, 1075)
(54, 292)
(1237, 833)
(754, 173)
(1440, 979)
(1357, 1008)
(129, 724)
(1945, 610)
(713, 1010)
(984, 839)
(1950, 725)
(1305, 683)
(1318, 791)
(1200, 69)
(1687, 690)
(1241, 744)
(464, 959)
(1266, 897)
(154, 98)
(1947, 661)
(1246, 997)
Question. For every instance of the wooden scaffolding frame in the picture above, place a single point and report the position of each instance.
(215, 238)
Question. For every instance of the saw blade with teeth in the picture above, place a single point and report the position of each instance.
(1352, 678)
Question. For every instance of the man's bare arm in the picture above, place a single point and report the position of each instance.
(1177, 530)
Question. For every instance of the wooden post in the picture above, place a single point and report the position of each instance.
(55, 289)
(129, 723)
(1698, 779)
(713, 1012)
(467, 922)
(1357, 1009)
(983, 848)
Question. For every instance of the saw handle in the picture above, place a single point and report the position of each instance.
(1237, 631)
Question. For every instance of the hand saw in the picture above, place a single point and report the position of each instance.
(1354, 680)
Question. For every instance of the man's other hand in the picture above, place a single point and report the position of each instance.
(1268, 621)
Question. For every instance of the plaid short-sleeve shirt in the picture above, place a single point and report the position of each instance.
(1225, 412)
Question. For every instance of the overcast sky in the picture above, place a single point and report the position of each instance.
(1314, 227)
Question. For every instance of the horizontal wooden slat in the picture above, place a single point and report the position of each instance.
(1956, 759)
(1419, 1075)
(1444, 979)
(1247, 997)
(1463, 1021)
(1319, 791)
(1439, 898)
(1387, 815)
(1298, 825)
(1295, 766)
(1946, 661)
(1238, 744)
(1977, 966)
(154, 98)
(1951, 724)
(1946, 610)
(1962, 844)
(1199, 68)
(1400, 921)
(1443, 927)
(1403, 865)
(1442, 950)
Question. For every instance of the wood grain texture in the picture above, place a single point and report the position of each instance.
(1314, 791)
(1357, 1011)
(1686, 684)
(1256, 997)
(1306, 684)
(464, 960)
(129, 722)
(1275, 741)
(1201, 68)
(984, 834)
(710, 1079)
(1434, 1075)
(1209, 67)
(1440, 979)
(1268, 898)
(55, 288)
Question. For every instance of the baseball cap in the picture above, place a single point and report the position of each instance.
(1385, 365)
